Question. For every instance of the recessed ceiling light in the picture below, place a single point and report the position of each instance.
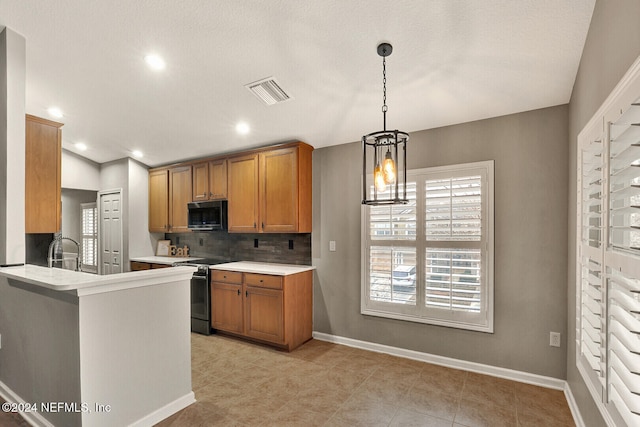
(81, 146)
(137, 153)
(242, 128)
(55, 112)
(155, 62)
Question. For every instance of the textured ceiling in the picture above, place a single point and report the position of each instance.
(453, 61)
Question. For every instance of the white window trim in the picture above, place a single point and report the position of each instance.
(86, 267)
(486, 245)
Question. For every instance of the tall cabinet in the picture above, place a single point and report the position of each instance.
(43, 156)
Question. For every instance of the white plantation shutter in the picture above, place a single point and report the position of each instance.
(608, 257)
(89, 237)
(453, 208)
(624, 173)
(430, 261)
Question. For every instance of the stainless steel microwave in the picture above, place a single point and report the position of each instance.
(206, 216)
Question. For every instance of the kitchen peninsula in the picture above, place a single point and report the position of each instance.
(115, 350)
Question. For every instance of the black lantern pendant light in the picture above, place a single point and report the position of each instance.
(387, 151)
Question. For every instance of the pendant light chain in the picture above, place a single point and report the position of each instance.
(384, 92)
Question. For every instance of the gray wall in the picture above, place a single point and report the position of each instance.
(612, 45)
(72, 211)
(531, 155)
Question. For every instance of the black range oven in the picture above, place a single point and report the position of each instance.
(201, 301)
(201, 295)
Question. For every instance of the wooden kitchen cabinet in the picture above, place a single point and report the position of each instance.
(210, 180)
(270, 191)
(179, 197)
(159, 201)
(226, 301)
(169, 193)
(138, 265)
(263, 317)
(243, 194)
(43, 154)
(268, 308)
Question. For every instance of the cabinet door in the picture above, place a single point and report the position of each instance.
(179, 197)
(264, 314)
(218, 179)
(200, 182)
(43, 151)
(159, 201)
(243, 194)
(226, 307)
(279, 191)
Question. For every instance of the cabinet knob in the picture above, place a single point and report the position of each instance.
(263, 225)
(261, 280)
(238, 291)
(246, 293)
(210, 194)
(224, 277)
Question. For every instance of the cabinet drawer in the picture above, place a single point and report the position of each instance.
(160, 266)
(263, 280)
(137, 266)
(226, 276)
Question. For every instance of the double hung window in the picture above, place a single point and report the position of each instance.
(431, 260)
(89, 238)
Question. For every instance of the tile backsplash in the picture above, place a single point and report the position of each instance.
(280, 248)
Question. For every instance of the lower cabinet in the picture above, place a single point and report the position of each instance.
(137, 265)
(268, 308)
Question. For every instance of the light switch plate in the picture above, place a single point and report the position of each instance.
(332, 245)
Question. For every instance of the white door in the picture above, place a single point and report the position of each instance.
(110, 228)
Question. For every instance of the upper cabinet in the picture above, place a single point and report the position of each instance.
(270, 191)
(243, 194)
(43, 154)
(169, 193)
(210, 180)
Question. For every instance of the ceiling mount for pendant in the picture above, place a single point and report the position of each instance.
(388, 153)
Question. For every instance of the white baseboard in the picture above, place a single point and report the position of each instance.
(37, 420)
(509, 374)
(166, 411)
(33, 418)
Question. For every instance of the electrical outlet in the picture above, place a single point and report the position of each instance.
(332, 245)
(554, 339)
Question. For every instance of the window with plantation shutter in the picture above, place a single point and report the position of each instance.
(431, 260)
(608, 259)
(89, 238)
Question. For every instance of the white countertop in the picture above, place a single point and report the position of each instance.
(164, 259)
(263, 268)
(86, 283)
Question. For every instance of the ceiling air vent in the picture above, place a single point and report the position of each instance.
(268, 91)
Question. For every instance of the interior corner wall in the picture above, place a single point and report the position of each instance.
(12, 146)
(79, 173)
(141, 242)
(612, 45)
(530, 151)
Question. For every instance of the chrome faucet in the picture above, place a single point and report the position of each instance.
(55, 249)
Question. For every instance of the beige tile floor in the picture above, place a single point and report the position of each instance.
(322, 384)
